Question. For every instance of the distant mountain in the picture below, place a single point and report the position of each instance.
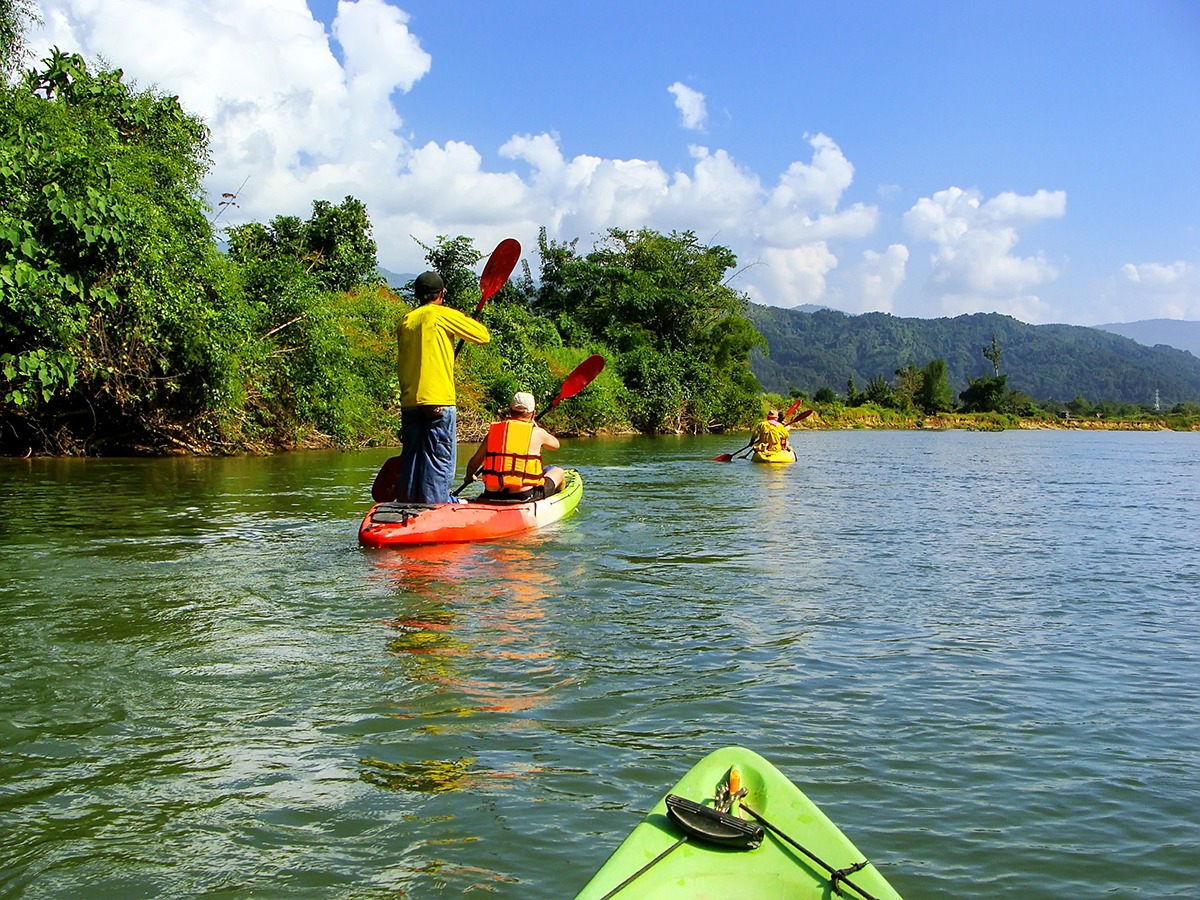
(397, 280)
(826, 348)
(1178, 333)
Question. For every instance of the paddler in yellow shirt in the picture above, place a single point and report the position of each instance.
(428, 402)
(770, 436)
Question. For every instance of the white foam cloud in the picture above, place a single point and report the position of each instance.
(1155, 290)
(691, 106)
(300, 114)
(873, 284)
(973, 266)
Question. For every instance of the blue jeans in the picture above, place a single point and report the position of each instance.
(428, 454)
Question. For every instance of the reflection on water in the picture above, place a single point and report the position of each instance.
(977, 653)
(457, 660)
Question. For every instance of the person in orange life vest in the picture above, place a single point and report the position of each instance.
(428, 414)
(770, 436)
(510, 458)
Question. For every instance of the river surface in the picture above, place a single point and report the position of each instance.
(978, 653)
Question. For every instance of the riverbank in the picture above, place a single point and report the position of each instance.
(874, 418)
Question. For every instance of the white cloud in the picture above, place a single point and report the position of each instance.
(790, 276)
(974, 268)
(691, 106)
(1151, 291)
(299, 114)
(873, 284)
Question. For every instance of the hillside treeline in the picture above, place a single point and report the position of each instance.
(125, 328)
(1052, 364)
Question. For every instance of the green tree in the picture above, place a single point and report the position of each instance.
(907, 385)
(15, 18)
(934, 395)
(985, 394)
(880, 393)
(680, 338)
(107, 263)
(334, 245)
(992, 354)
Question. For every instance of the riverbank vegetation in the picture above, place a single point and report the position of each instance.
(130, 323)
(127, 328)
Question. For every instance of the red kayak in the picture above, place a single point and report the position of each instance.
(407, 524)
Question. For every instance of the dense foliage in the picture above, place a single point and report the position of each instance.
(1052, 363)
(678, 336)
(124, 328)
(107, 263)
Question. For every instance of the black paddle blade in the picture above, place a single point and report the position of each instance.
(384, 488)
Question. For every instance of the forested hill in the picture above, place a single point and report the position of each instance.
(811, 350)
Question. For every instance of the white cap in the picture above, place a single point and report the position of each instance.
(522, 401)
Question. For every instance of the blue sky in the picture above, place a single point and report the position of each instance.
(923, 158)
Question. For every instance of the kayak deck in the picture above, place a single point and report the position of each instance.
(409, 524)
(720, 866)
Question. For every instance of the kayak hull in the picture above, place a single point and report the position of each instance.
(777, 457)
(696, 869)
(409, 524)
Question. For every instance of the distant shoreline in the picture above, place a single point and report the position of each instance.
(857, 418)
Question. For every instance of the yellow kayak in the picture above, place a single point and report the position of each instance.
(777, 457)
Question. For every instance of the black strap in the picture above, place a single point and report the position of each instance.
(643, 870)
(838, 877)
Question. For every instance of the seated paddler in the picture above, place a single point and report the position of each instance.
(510, 459)
(770, 436)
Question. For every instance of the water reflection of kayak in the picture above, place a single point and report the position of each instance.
(772, 842)
(407, 524)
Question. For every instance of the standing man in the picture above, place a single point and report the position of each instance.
(428, 412)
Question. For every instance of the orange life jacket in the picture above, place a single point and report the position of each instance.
(507, 463)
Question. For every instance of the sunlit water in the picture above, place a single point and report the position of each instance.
(976, 652)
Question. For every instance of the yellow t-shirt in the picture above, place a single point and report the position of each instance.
(770, 436)
(425, 344)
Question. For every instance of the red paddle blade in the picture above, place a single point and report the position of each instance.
(499, 266)
(803, 415)
(582, 376)
(579, 378)
(723, 457)
(791, 409)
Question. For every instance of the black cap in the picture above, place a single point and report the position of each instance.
(428, 285)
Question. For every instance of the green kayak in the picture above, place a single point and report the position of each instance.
(769, 841)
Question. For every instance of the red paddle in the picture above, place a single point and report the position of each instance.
(728, 457)
(499, 266)
(581, 376)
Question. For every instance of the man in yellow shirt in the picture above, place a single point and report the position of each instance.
(770, 436)
(428, 411)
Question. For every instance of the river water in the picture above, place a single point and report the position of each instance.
(976, 652)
